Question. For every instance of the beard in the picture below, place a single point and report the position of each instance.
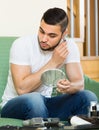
(51, 48)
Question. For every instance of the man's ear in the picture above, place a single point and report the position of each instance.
(65, 33)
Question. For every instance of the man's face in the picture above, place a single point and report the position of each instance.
(49, 36)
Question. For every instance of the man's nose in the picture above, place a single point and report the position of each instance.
(45, 38)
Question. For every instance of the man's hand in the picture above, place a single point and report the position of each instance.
(59, 54)
(65, 86)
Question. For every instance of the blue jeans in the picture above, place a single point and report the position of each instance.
(34, 104)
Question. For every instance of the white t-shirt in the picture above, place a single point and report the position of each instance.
(26, 51)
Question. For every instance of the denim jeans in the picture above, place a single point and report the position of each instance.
(34, 104)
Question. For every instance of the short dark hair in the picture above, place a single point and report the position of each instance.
(56, 16)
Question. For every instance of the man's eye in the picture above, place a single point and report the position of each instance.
(52, 36)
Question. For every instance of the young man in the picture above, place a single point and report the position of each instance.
(25, 96)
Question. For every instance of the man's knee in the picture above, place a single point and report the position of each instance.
(32, 98)
(88, 96)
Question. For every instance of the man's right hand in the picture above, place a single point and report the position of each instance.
(60, 53)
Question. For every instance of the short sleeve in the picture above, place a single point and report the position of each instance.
(74, 55)
(19, 52)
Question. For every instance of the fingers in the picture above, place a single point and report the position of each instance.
(63, 83)
(60, 54)
(63, 86)
(66, 90)
(62, 49)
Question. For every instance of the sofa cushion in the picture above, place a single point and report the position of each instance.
(92, 85)
(10, 122)
(5, 44)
